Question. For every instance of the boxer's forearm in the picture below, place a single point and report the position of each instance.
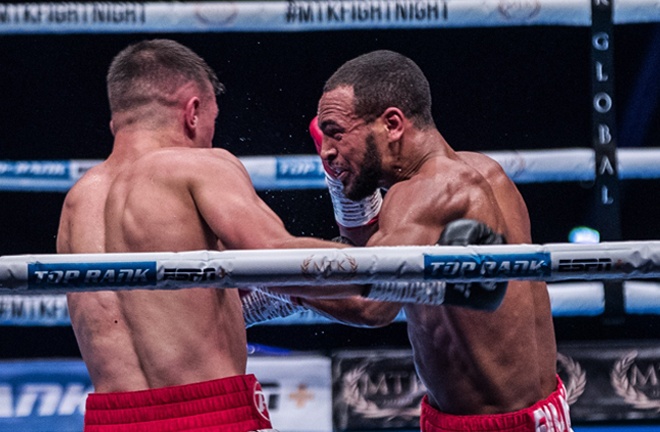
(355, 311)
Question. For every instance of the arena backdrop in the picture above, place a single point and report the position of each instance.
(494, 88)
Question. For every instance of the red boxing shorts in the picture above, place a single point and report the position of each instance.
(235, 404)
(549, 415)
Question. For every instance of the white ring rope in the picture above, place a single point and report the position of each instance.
(567, 300)
(566, 261)
(316, 15)
(306, 171)
(49, 274)
(303, 172)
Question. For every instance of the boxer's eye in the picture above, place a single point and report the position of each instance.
(333, 132)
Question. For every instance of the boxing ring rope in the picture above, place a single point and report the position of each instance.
(51, 274)
(288, 16)
(584, 299)
(569, 297)
(306, 171)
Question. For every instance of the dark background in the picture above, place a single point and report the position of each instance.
(493, 89)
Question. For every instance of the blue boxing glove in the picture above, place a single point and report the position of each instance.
(474, 295)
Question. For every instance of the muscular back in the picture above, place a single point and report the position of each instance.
(132, 340)
(474, 362)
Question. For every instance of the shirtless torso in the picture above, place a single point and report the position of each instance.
(141, 339)
(472, 362)
(470, 358)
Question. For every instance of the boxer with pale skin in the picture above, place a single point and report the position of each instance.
(175, 359)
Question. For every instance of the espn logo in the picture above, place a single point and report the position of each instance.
(193, 274)
(585, 265)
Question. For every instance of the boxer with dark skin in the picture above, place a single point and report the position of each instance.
(484, 370)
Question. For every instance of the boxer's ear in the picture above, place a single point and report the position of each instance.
(394, 121)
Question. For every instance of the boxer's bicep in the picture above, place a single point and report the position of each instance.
(233, 211)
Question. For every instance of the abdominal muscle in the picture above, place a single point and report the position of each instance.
(476, 363)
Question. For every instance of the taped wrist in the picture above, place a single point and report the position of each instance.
(349, 213)
(259, 306)
(485, 296)
(428, 292)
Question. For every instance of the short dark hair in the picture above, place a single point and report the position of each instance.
(382, 79)
(152, 70)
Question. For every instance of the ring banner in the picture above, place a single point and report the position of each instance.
(303, 172)
(43, 395)
(375, 390)
(568, 299)
(283, 16)
(303, 15)
(354, 390)
(605, 381)
(611, 381)
(297, 390)
(34, 310)
(50, 395)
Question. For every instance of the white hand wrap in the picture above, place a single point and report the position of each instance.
(479, 296)
(349, 213)
(260, 306)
